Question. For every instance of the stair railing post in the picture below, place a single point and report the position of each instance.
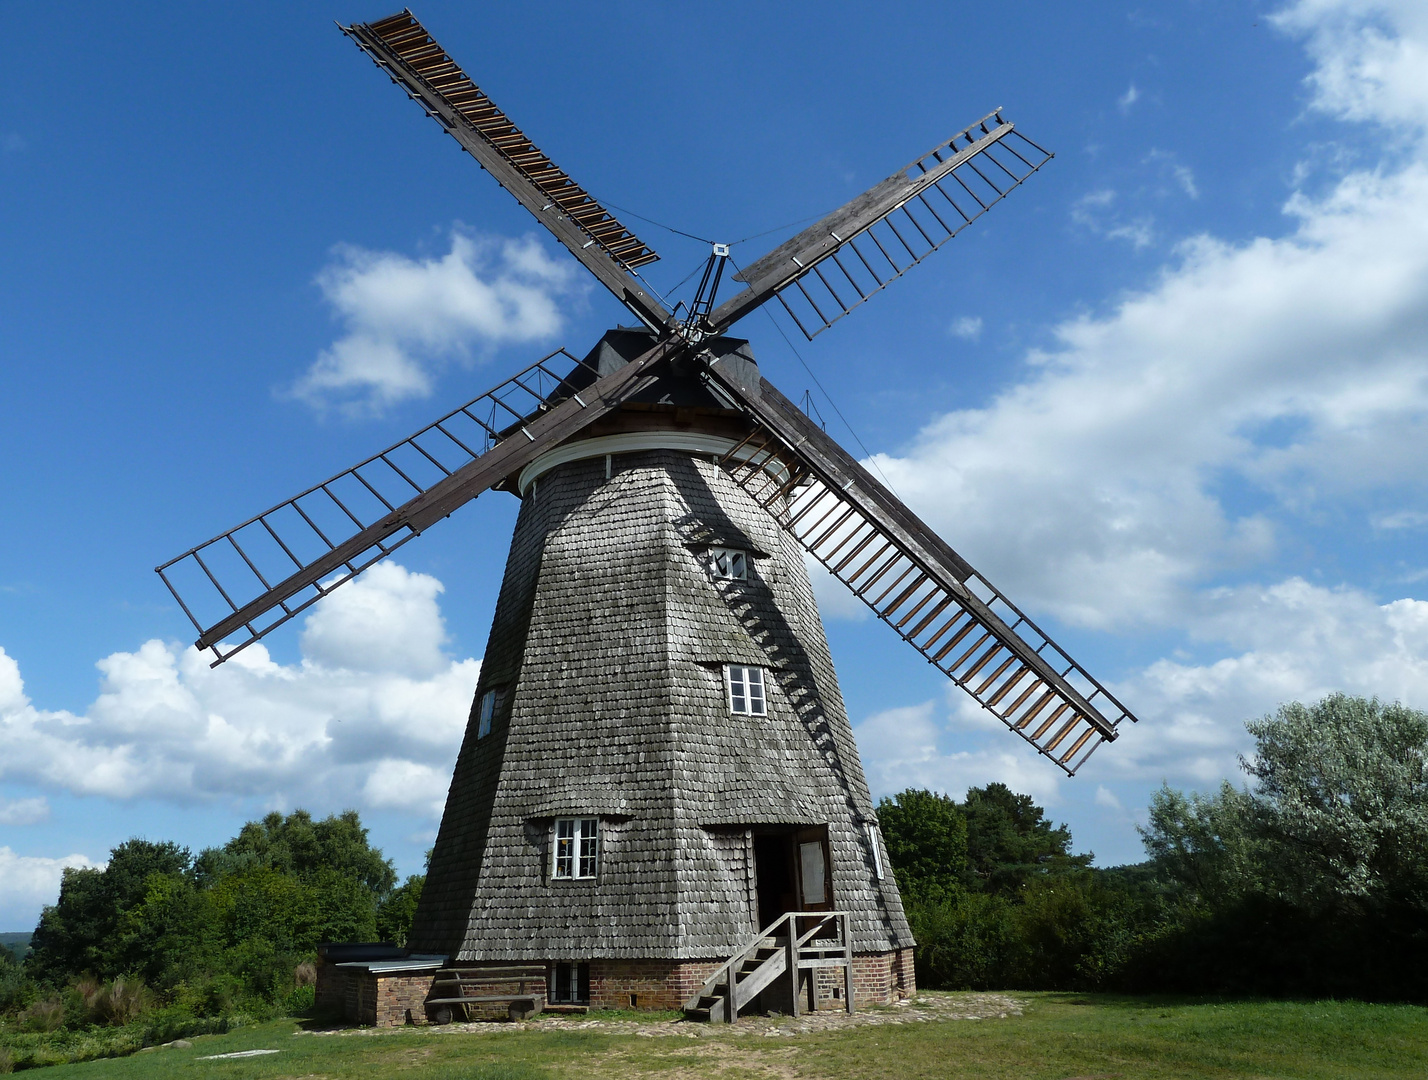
(791, 961)
(731, 1006)
(847, 962)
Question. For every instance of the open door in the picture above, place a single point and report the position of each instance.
(815, 878)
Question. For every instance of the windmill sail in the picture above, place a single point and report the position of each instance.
(834, 265)
(255, 577)
(401, 46)
(915, 582)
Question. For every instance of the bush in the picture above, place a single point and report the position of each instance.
(44, 1015)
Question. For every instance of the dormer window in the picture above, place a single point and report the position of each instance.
(577, 846)
(729, 564)
(486, 710)
(746, 690)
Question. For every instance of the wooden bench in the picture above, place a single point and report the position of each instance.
(461, 988)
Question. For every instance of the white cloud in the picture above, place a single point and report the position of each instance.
(23, 811)
(402, 316)
(1401, 519)
(968, 327)
(1181, 175)
(1129, 98)
(27, 882)
(912, 747)
(1161, 449)
(373, 705)
(1095, 211)
(1294, 640)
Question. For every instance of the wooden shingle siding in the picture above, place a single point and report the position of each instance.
(609, 635)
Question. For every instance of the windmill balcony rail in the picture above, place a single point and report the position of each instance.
(773, 961)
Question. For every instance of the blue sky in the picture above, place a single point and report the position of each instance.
(1169, 396)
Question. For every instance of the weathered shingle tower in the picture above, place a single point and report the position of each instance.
(658, 762)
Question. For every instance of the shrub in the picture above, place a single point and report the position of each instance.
(47, 1014)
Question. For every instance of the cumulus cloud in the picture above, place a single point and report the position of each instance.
(28, 882)
(402, 317)
(927, 746)
(23, 811)
(1142, 474)
(371, 716)
(1129, 98)
(1292, 640)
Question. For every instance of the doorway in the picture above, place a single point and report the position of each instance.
(792, 871)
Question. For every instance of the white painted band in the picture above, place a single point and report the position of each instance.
(630, 442)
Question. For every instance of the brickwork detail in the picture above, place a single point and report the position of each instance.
(646, 984)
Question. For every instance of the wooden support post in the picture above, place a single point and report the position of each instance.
(731, 1006)
(791, 951)
(847, 962)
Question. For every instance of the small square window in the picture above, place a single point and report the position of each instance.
(486, 710)
(746, 690)
(577, 847)
(730, 564)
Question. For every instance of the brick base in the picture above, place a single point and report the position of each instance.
(390, 1000)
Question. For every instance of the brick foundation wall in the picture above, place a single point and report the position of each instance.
(655, 984)
(397, 999)
(878, 979)
(372, 999)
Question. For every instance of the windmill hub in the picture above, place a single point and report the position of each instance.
(658, 801)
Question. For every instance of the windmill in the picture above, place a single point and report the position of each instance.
(658, 793)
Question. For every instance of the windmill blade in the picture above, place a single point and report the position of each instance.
(834, 265)
(915, 582)
(401, 47)
(255, 577)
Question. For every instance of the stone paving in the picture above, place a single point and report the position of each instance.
(926, 1007)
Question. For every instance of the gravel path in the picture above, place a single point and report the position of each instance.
(925, 1007)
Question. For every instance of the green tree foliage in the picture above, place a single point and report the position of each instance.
(1010, 842)
(1313, 881)
(926, 837)
(395, 913)
(235, 921)
(81, 932)
(300, 847)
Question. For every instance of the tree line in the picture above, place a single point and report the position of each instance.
(178, 942)
(1311, 881)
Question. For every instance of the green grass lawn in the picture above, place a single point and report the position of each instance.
(1058, 1037)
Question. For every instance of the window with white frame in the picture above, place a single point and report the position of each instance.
(730, 564)
(746, 689)
(486, 710)
(577, 848)
(872, 833)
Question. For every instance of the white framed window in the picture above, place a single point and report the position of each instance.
(746, 689)
(577, 848)
(872, 832)
(486, 710)
(730, 564)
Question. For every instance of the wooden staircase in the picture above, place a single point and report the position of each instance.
(773, 963)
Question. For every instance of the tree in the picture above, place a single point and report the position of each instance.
(302, 847)
(1009, 841)
(926, 836)
(80, 932)
(1207, 847)
(395, 913)
(1343, 791)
